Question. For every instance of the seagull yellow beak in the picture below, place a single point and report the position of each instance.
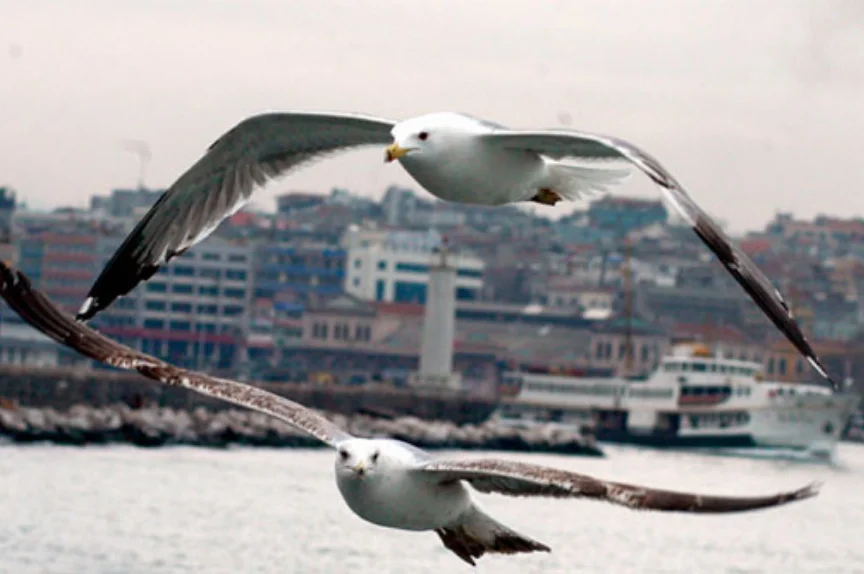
(394, 152)
(359, 469)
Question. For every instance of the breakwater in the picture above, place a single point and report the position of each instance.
(157, 426)
(61, 388)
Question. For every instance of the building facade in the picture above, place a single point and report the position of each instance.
(394, 267)
(193, 312)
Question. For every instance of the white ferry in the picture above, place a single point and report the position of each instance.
(693, 400)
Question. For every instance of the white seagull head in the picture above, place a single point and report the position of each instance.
(360, 459)
(430, 134)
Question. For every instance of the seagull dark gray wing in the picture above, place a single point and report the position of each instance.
(521, 479)
(253, 152)
(44, 316)
(563, 144)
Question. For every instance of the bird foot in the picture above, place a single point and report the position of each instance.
(546, 196)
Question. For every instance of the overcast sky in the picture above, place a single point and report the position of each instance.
(756, 106)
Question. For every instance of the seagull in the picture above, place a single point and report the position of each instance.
(454, 156)
(388, 482)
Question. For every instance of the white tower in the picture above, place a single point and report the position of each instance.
(439, 325)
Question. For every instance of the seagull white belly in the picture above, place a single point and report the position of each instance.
(405, 500)
(488, 177)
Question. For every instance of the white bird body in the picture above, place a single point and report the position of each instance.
(389, 492)
(456, 165)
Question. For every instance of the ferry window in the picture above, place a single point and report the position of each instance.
(713, 367)
(685, 367)
(700, 367)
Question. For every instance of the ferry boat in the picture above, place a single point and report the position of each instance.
(692, 400)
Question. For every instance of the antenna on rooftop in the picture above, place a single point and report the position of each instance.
(142, 150)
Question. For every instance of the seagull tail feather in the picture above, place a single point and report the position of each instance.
(573, 182)
(476, 534)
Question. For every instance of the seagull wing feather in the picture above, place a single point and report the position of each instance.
(514, 478)
(45, 317)
(242, 160)
(582, 145)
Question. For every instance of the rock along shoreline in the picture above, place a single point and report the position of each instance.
(161, 426)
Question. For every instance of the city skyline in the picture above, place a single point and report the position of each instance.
(753, 119)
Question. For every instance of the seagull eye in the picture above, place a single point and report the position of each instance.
(375, 456)
(343, 454)
(423, 136)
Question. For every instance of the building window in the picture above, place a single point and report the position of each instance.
(157, 287)
(362, 332)
(232, 310)
(209, 291)
(235, 274)
(405, 292)
(357, 263)
(781, 366)
(154, 324)
(182, 288)
(207, 309)
(235, 293)
(356, 282)
(340, 331)
(210, 256)
(184, 271)
(181, 307)
(155, 305)
(382, 265)
(180, 326)
(210, 273)
(319, 330)
(237, 258)
(473, 273)
(466, 294)
(380, 286)
(412, 267)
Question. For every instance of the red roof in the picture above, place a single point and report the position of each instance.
(755, 246)
(243, 218)
(190, 336)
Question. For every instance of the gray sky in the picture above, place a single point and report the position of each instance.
(755, 106)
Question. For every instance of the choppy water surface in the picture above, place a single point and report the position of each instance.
(130, 510)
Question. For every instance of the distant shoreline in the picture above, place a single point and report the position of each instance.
(83, 425)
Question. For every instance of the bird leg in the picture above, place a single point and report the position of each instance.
(546, 196)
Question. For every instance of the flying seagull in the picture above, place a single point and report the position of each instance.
(454, 156)
(388, 482)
